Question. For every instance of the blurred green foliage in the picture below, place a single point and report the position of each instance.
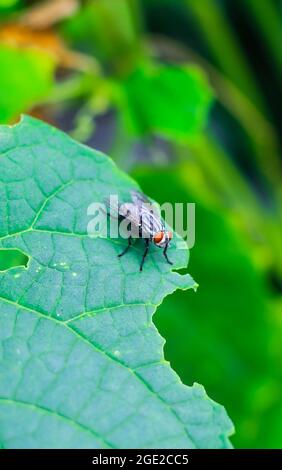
(26, 78)
(7, 3)
(172, 102)
(185, 95)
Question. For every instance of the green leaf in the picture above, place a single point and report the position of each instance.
(172, 101)
(82, 364)
(26, 76)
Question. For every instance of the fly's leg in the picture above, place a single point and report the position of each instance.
(165, 255)
(147, 241)
(126, 248)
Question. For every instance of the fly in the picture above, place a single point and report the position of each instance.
(147, 223)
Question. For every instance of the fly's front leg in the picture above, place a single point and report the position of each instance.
(147, 241)
(165, 255)
(127, 248)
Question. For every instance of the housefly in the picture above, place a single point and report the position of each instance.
(146, 222)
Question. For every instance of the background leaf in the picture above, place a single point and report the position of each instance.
(82, 363)
(26, 76)
(171, 101)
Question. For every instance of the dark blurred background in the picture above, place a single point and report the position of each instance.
(184, 95)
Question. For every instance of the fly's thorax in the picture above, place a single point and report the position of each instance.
(145, 222)
(150, 222)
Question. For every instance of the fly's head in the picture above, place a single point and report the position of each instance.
(162, 239)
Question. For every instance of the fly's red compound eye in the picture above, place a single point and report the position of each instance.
(158, 237)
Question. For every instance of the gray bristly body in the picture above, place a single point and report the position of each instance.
(145, 218)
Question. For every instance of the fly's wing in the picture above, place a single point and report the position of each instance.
(112, 207)
(139, 198)
(144, 203)
(127, 209)
(130, 212)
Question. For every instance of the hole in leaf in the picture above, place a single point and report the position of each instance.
(12, 258)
